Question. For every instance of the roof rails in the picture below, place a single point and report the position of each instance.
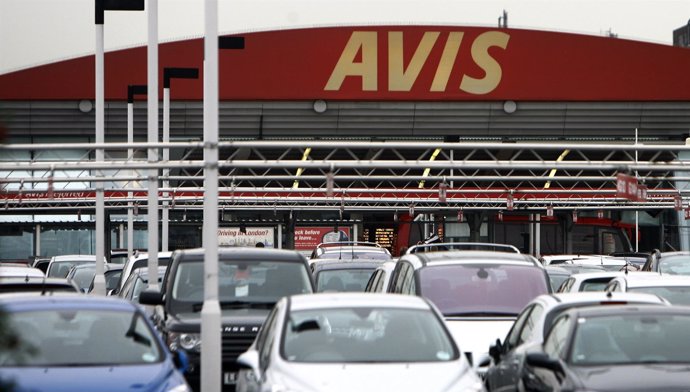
(468, 245)
(347, 243)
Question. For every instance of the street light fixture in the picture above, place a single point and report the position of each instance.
(170, 73)
(132, 91)
(101, 6)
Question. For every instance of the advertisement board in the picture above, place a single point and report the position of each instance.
(307, 238)
(232, 236)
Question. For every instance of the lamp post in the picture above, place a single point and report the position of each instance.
(102, 6)
(211, 347)
(152, 117)
(132, 90)
(170, 73)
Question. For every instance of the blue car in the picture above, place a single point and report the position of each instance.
(84, 343)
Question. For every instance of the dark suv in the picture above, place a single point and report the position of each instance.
(251, 281)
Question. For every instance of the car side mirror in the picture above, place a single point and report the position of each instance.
(541, 360)
(249, 360)
(151, 297)
(181, 360)
(495, 351)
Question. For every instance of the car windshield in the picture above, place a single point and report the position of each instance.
(80, 338)
(631, 338)
(337, 280)
(240, 282)
(60, 269)
(675, 265)
(677, 295)
(474, 289)
(366, 335)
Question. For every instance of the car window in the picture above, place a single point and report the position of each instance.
(400, 277)
(555, 342)
(531, 323)
(366, 335)
(514, 335)
(346, 279)
(373, 282)
(64, 337)
(267, 336)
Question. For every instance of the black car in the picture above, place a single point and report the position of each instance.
(251, 281)
(613, 348)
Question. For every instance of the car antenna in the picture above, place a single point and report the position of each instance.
(43, 286)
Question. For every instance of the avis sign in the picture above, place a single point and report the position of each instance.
(362, 53)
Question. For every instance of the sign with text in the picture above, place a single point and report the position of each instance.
(232, 236)
(307, 238)
(626, 187)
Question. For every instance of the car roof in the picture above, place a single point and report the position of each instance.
(330, 264)
(349, 300)
(590, 296)
(27, 301)
(621, 310)
(242, 253)
(73, 257)
(473, 257)
(20, 272)
(31, 280)
(654, 279)
(145, 255)
(597, 274)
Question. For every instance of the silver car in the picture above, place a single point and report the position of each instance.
(355, 342)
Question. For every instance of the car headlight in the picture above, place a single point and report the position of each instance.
(188, 341)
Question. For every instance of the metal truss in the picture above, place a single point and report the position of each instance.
(339, 174)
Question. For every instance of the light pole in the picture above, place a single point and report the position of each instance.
(170, 73)
(132, 90)
(152, 116)
(101, 7)
(211, 343)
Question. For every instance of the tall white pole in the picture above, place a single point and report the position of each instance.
(166, 172)
(637, 213)
(130, 153)
(211, 361)
(152, 95)
(99, 278)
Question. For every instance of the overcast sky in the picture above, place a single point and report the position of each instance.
(34, 32)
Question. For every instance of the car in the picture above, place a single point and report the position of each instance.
(343, 275)
(59, 266)
(139, 260)
(137, 282)
(637, 259)
(671, 263)
(39, 284)
(378, 282)
(354, 342)
(588, 281)
(83, 275)
(251, 281)
(534, 322)
(65, 343)
(612, 348)
(12, 270)
(675, 288)
(444, 246)
(350, 250)
(480, 293)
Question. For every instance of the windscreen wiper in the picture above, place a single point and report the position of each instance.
(136, 336)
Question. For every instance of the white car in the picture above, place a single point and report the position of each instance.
(378, 282)
(675, 288)
(59, 266)
(588, 281)
(139, 260)
(19, 271)
(610, 263)
(333, 342)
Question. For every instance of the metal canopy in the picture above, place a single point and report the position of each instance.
(282, 175)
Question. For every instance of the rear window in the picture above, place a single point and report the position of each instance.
(472, 289)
